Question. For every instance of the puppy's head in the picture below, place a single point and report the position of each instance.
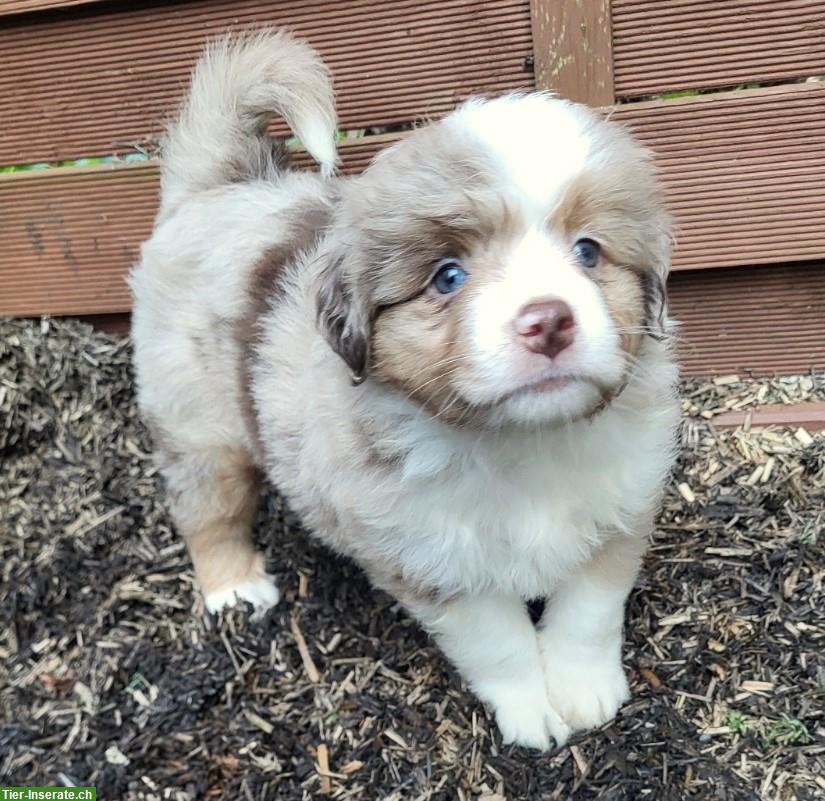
(502, 265)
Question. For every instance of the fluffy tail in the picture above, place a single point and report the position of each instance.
(238, 84)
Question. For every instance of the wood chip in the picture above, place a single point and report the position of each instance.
(114, 756)
(754, 477)
(713, 731)
(730, 552)
(325, 784)
(675, 620)
(686, 492)
(395, 737)
(581, 763)
(257, 720)
(651, 678)
(759, 687)
(306, 657)
(803, 437)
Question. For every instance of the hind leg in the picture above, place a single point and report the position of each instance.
(214, 494)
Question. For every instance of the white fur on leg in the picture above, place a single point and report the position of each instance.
(581, 641)
(492, 642)
(261, 592)
(523, 712)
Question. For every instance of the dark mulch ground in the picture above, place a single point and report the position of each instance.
(112, 676)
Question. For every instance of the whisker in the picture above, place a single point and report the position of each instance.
(439, 377)
(443, 411)
(455, 358)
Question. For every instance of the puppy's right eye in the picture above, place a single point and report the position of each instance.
(449, 276)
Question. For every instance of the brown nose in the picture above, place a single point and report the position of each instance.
(546, 327)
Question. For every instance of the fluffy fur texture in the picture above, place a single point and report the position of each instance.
(288, 323)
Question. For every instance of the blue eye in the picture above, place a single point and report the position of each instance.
(587, 252)
(449, 276)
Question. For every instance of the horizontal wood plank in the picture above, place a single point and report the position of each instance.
(810, 416)
(743, 172)
(669, 45)
(70, 235)
(751, 320)
(101, 79)
(8, 7)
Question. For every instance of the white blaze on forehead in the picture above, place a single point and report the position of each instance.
(541, 142)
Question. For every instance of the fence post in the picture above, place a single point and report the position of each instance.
(573, 49)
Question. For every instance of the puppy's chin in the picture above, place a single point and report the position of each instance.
(553, 403)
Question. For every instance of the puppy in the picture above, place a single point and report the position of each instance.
(453, 366)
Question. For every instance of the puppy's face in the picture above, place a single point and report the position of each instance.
(502, 265)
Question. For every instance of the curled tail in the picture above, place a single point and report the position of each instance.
(238, 84)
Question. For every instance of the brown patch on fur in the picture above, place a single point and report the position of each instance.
(654, 289)
(220, 541)
(213, 498)
(625, 301)
(619, 204)
(306, 225)
(420, 347)
(417, 344)
(265, 156)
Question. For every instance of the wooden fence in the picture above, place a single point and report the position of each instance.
(726, 93)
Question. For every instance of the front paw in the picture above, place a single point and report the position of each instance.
(260, 591)
(524, 715)
(586, 692)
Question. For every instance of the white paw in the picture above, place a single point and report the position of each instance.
(586, 694)
(262, 593)
(524, 715)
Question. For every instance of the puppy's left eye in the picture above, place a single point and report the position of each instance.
(587, 252)
(449, 276)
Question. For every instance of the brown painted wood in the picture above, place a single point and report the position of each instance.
(572, 49)
(672, 44)
(101, 79)
(117, 324)
(70, 235)
(750, 320)
(810, 416)
(9, 7)
(743, 174)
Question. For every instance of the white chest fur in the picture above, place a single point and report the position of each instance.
(516, 511)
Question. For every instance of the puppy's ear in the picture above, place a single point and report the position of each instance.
(344, 318)
(655, 295)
